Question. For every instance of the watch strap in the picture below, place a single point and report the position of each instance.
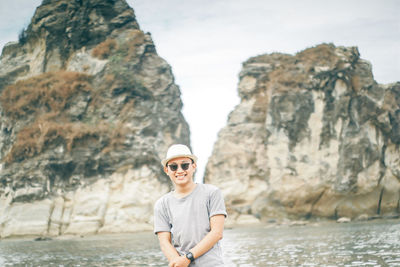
(190, 256)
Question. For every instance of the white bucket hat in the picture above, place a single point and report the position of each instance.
(178, 151)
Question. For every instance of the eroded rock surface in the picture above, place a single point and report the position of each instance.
(88, 109)
(313, 136)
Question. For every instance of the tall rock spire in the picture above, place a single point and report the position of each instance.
(314, 135)
(88, 109)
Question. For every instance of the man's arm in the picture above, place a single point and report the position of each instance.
(166, 246)
(215, 234)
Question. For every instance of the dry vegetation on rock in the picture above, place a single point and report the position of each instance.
(104, 49)
(47, 92)
(46, 97)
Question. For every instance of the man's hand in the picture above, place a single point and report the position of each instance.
(180, 261)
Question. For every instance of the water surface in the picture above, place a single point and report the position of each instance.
(373, 243)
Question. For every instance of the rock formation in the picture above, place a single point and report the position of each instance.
(88, 109)
(313, 136)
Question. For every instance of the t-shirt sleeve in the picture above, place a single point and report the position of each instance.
(161, 221)
(217, 203)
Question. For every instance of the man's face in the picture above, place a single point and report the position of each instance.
(175, 169)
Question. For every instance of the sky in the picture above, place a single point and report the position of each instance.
(206, 41)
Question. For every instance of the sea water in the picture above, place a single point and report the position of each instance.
(371, 243)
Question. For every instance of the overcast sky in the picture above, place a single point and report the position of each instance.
(206, 41)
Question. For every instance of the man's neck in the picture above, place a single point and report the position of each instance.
(184, 190)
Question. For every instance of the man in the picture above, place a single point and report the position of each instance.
(189, 221)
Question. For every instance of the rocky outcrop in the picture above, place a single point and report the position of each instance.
(88, 109)
(313, 136)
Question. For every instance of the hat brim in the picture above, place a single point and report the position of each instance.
(165, 161)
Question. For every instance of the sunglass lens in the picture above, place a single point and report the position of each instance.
(173, 167)
(185, 166)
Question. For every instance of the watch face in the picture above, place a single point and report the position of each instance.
(189, 255)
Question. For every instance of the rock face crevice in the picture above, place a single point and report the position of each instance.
(88, 109)
(313, 136)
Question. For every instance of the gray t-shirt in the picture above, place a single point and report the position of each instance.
(188, 220)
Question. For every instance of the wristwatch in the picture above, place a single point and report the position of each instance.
(189, 255)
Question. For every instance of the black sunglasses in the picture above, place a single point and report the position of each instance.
(174, 167)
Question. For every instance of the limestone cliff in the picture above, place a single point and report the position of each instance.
(88, 109)
(313, 136)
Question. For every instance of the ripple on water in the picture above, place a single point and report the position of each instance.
(328, 244)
